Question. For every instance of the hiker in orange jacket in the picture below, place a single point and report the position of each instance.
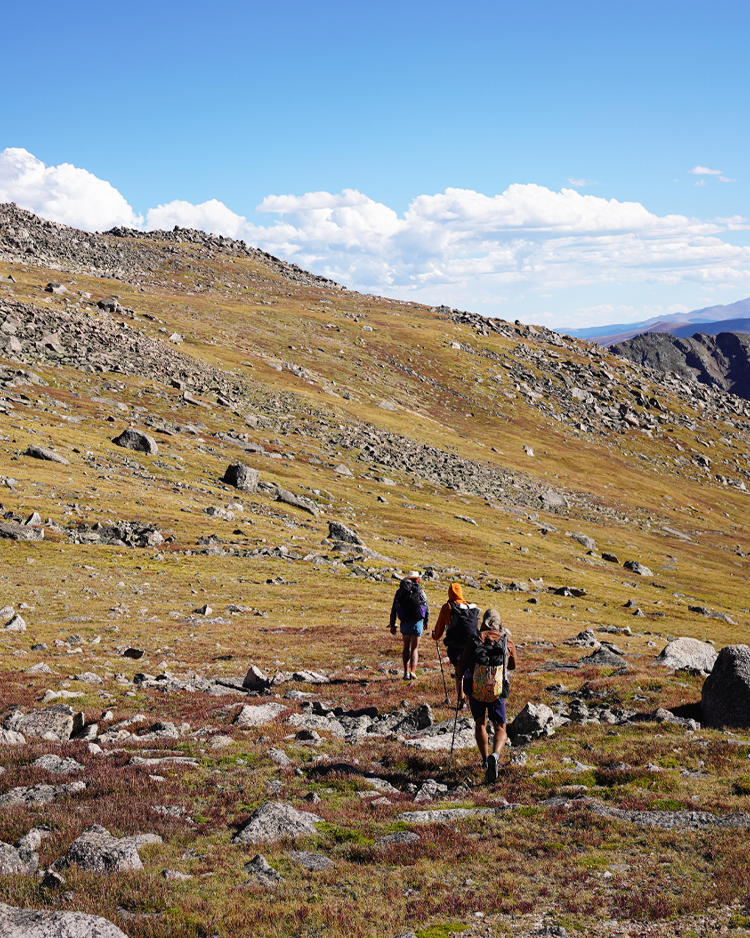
(458, 620)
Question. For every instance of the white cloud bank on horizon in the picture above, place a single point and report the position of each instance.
(458, 246)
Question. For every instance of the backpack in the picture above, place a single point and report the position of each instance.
(410, 603)
(463, 625)
(490, 679)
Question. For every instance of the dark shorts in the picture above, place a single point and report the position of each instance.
(412, 628)
(495, 711)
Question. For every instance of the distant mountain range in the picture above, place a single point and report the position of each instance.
(735, 317)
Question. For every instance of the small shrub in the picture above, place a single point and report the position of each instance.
(440, 931)
(742, 785)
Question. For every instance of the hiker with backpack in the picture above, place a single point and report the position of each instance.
(484, 664)
(458, 620)
(411, 608)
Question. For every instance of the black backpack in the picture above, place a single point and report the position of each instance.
(463, 625)
(409, 601)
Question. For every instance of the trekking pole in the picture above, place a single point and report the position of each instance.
(453, 738)
(440, 659)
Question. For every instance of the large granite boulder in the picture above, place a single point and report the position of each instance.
(687, 653)
(242, 477)
(533, 721)
(32, 923)
(97, 850)
(56, 723)
(273, 821)
(726, 691)
(137, 440)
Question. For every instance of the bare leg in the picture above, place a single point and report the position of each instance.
(406, 653)
(460, 697)
(480, 734)
(414, 653)
(501, 737)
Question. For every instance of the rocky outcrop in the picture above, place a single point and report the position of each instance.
(124, 253)
(31, 795)
(725, 697)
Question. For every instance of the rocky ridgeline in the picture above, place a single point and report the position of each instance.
(121, 252)
(214, 245)
(29, 239)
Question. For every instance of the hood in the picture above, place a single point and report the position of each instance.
(455, 593)
(492, 620)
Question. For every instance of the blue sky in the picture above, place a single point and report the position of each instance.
(182, 103)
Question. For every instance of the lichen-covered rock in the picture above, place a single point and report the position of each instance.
(32, 923)
(97, 850)
(687, 653)
(258, 715)
(57, 722)
(725, 697)
(274, 820)
(30, 795)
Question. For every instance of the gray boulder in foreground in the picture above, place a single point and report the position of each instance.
(137, 440)
(32, 923)
(687, 653)
(273, 821)
(725, 697)
(533, 721)
(31, 795)
(258, 715)
(97, 850)
(58, 722)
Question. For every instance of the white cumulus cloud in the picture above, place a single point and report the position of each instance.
(525, 246)
(704, 171)
(62, 193)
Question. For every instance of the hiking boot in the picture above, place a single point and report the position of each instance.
(492, 767)
(484, 763)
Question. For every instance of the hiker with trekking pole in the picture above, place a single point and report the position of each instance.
(484, 665)
(458, 621)
(411, 608)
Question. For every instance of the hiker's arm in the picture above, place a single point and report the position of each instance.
(427, 613)
(440, 624)
(392, 622)
(512, 656)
